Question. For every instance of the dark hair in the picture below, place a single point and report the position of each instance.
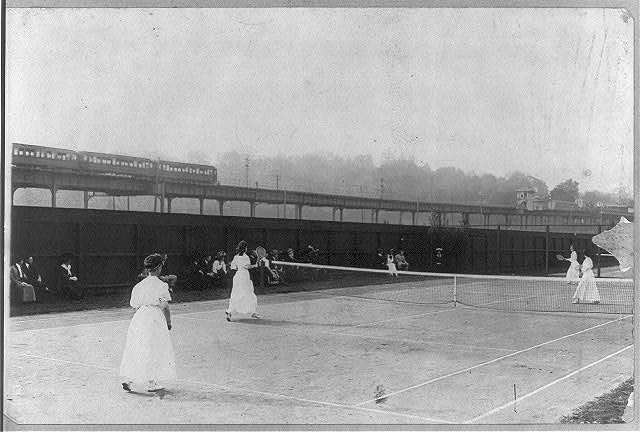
(588, 252)
(153, 261)
(242, 247)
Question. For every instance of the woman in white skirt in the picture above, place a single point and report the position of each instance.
(243, 300)
(573, 272)
(587, 291)
(148, 354)
(391, 265)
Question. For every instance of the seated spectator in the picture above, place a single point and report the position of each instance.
(380, 259)
(34, 278)
(206, 271)
(289, 257)
(66, 282)
(272, 274)
(20, 289)
(289, 273)
(219, 268)
(309, 255)
(193, 274)
(401, 261)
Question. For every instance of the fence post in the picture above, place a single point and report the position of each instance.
(499, 250)
(546, 251)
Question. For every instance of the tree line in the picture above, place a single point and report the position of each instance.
(398, 178)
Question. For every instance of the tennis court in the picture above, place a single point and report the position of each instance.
(353, 355)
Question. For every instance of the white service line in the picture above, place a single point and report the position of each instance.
(458, 372)
(538, 390)
(243, 390)
(84, 324)
(64, 361)
(316, 402)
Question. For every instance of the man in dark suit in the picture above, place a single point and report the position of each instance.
(34, 278)
(20, 289)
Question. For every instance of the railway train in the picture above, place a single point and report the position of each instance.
(94, 163)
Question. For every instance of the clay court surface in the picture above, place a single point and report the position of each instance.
(322, 358)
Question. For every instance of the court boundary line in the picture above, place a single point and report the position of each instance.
(460, 371)
(249, 391)
(312, 401)
(544, 387)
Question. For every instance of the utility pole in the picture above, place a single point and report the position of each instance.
(246, 165)
(382, 188)
(361, 210)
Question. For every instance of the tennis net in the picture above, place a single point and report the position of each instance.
(516, 293)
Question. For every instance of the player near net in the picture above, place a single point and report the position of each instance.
(243, 299)
(573, 273)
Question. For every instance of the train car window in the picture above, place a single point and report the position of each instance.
(20, 152)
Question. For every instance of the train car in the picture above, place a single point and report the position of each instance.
(117, 165)
(187, 173)
(42, 157)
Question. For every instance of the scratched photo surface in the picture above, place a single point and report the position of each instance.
(467, 141)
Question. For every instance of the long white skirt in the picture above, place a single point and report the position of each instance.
(148, 353)
(574, 271)
(392, 269)
(243, 300)
(587, 291)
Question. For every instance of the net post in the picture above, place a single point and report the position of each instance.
(455, 291)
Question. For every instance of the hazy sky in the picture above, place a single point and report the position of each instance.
(544, 91)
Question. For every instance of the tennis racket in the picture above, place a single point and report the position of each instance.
(560, 258)
(261, 253)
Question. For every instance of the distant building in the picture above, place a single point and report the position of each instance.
(526, 198)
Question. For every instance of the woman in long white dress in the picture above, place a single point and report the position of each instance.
(243, 300)
(587, 291)
(391, 265)
(148, 355)
(573, 272)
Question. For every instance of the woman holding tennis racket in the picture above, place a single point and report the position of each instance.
(573, 272)
(243, 300)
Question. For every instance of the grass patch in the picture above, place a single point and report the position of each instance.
(605, 409)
